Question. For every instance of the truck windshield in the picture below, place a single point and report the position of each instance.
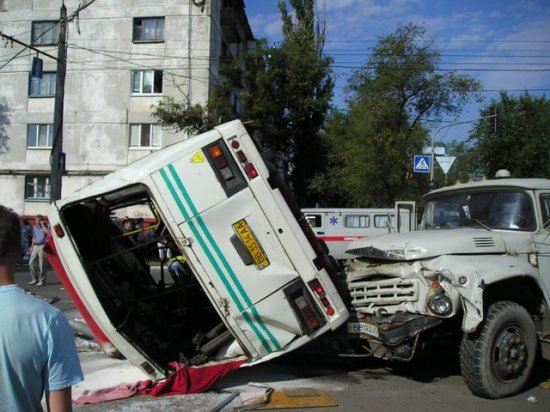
(510, 210)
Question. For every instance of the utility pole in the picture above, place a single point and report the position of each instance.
(57, 157)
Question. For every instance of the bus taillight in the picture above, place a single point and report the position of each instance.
(316, 286)
(221, 162)
(247, 165)
(250, 170)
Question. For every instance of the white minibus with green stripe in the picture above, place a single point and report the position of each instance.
(256, 282)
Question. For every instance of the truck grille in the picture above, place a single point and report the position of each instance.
(394, 291)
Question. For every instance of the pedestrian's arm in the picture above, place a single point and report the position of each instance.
(59, 401)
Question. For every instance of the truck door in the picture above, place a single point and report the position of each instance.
(405, 212)
(542, 238)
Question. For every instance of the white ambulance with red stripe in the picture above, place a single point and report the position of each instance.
(337, 227)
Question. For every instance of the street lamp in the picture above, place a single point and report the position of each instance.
(433, 142)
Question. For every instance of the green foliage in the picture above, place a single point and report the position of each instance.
(304, 79)
(372, 144)
(520, 142)
(285, 92)
(191, 119)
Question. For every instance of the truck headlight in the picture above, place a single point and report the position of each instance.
(440, 304)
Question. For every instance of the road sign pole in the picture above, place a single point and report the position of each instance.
(432, 183)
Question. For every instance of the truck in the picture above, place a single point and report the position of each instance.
(255, 281)
(477, 272)
(337, 227)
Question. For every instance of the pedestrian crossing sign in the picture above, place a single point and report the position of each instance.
(422, 164)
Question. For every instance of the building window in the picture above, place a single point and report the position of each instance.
(148, 29)
(44, 87)
(37, 187)
(45, 33)
(39, 136)
(145, 135)
(146, 81)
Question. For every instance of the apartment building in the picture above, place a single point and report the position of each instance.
(123, 56)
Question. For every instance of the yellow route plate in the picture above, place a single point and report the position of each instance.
(251, 243)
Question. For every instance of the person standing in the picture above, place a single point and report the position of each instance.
(37, 348)
(26, 237)
(37, 265)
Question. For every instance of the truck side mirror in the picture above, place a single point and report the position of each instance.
(466, 210)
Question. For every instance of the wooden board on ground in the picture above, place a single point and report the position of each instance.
(298, 398)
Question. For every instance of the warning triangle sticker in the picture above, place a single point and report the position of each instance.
(198, 157)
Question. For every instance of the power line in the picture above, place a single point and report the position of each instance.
(453, 70)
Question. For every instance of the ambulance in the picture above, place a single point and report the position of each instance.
(337, 227)
(258, 283)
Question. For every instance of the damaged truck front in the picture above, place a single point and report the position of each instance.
(478, 269)
(253, 282)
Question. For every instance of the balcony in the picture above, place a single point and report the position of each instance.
(234, 23)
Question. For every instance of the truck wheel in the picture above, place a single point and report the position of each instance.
(497, 360)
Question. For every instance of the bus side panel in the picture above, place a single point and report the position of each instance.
(209, 240)
(201, 184)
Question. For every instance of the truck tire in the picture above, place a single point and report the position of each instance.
(497, 360)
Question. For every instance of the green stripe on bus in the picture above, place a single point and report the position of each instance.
(204, 245)
(221, 256)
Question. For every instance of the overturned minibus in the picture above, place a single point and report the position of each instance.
(257, 284)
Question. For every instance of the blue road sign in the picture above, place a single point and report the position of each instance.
(422, 164)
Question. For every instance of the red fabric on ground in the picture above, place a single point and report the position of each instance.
(190, 380)
(183, 381)
(113, 393)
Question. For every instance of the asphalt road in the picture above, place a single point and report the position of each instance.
(428, 384)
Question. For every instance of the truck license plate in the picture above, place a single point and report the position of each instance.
(251, 243)
(362, 327)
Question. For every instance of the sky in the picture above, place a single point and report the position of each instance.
(505, 44)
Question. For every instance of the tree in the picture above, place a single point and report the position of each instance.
(308, 86)
(372, 144)
(285, 92)
(518, 141)
(182, 116)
